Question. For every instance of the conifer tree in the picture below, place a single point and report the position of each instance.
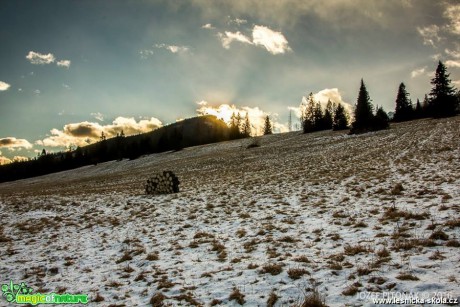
(318, 117)
(234, 127)
(404, 109)
(267, 126)
(309, 115)
(443, 101)
(340, 118)
(246, 131)
(363, 111)
(418, 112)
(328, 117)
(381, 120)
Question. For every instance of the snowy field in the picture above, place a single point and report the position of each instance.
(350, 216)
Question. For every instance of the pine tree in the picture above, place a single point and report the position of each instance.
(381, 120)
(328, 117)
(404, 109)
(267, 126)
(443, 101)
(363, 111)
(246, 131)
(318, 117)
(340, 118)
(418, 112)
(308, 123)
(234, 127)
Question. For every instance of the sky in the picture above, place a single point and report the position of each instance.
(73, 69)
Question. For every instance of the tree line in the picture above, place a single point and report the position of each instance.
(442, 101)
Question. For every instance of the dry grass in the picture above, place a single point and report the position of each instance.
(272, 268)
(237, 296)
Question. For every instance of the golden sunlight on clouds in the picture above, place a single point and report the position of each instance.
(256, 116)
(84, 133)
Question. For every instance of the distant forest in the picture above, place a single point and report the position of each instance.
(442, 101)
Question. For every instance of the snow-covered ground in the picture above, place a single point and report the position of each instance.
(351, 216)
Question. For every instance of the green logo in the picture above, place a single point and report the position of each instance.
(21, 294)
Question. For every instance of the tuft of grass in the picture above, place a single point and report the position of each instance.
(272, 268)
(314, 299)
(407, 276)
(126, 256)
(397, 189)
(352, 250)
(453, 243)
(157, 299)
(272, 299)
(296, 273)
(152, 257)
(453, 223)
(439, 235)
(237, 296)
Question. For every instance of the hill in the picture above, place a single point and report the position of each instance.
(356, 217)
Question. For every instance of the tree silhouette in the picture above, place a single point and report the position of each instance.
(308, 114)
(404, 109)
(381, 120)
(363, 111)
(328, 115)
(267, 126)
(246, 129)
(340, 118)
(443, 100)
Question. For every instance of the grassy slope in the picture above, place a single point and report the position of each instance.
(321, 207)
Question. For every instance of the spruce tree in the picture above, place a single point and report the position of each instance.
(404, 109)
(340, 118)
(318, 117)
(267, 126)
(246, 131)
(418, 112)
(308, 123)
(363, 111)
(234, 128)
(443, 101)
(381, 120)
(328, 115)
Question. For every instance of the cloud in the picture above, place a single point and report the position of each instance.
(12, 142)
(452, 13)
(430, 35)
(273, 41)
(146, 53)
(80, 134)
(453, 53)
(207, 26)
(323, 96)
(452, 63)
(20, 159)
(237, 21)
(256, 116)
(99, 116)
(40, 59)
(4, 160)
(418, 72)
(38, 92)
(228, 37)
(64, 63)
(173, 48)
(4, 86)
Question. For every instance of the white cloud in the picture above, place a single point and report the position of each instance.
(453, 53)
(64, 63)
(12, 142)
(208, 26)
(38, 58)
(323, 96)
(98, 115)
(4, 160)
(146, 53)
(237, 21)
(452, 13)
(418, 72)
(228, 37)
(80, 133)
(256, 116)
(452, 63)
(173, 48)
(430, 35)
(20, 159)
(66, 86)
(4, 86)
(273, 41)
(38, 92)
